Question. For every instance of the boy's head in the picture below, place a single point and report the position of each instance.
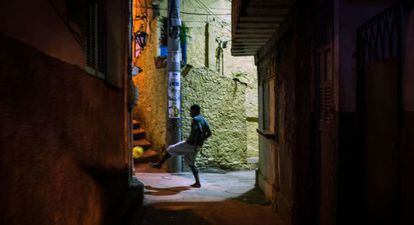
(195, 110)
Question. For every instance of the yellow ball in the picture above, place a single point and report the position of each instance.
(137, 152)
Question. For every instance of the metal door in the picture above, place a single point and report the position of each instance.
(379, 77)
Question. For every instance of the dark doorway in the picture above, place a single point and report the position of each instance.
(379, 58)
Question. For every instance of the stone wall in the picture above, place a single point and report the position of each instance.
(252, 114)
(152, 85)
(223, 104)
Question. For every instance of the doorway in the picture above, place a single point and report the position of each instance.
(379, 74)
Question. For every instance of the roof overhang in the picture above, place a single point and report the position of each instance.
(254, 22)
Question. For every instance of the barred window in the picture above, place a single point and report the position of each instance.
(96, 47)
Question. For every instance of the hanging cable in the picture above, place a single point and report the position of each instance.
(193, 13)
(223, 23)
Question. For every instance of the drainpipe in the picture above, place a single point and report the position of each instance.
(207, 45)
(174, 165)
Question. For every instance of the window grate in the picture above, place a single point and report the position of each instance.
(379, 38)
(96, 50)
(326, 103)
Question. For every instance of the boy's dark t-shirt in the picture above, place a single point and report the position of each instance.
(200, 131)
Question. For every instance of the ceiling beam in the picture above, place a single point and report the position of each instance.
(245, 50)
(243, 54)
(258, 25)
(252, 52)
(247, 36)
(267, 11)
(251, 31)
(256, 29)
(243, 44)
(262, 19)
(252, 41)
(241, 39)
(274, 3)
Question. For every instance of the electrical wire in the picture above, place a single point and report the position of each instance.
(194, 13)
(205, 14)
(223, 23)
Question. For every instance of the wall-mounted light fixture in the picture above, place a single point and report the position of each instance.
(141, 38)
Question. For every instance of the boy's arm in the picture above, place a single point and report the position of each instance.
(207, 130)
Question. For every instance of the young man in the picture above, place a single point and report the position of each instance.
(200, 131)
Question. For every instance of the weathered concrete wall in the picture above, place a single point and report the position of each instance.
(62, 158)
(223, 104)
(252, 138)
(252, 112)
(152, 85)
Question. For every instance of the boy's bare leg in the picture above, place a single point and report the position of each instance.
(196, 177)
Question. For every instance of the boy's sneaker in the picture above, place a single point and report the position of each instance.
(156, 165)
(196, 185)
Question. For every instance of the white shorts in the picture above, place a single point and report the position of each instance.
(183, 148)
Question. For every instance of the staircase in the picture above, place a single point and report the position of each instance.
(139, 139)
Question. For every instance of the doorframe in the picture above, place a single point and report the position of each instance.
(321, 42)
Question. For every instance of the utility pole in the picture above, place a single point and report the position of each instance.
(174, 165)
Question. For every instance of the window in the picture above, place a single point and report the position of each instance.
(96, 49)
(269, 105)
(267, 96)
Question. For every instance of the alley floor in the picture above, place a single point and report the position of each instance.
(224, 199)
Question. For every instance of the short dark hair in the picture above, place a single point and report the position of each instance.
(196, 108)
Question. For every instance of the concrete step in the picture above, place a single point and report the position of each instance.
(143, 143)
(138, 133)
(148, 156)
(136, 124)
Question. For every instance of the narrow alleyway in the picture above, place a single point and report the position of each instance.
(224, 199)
